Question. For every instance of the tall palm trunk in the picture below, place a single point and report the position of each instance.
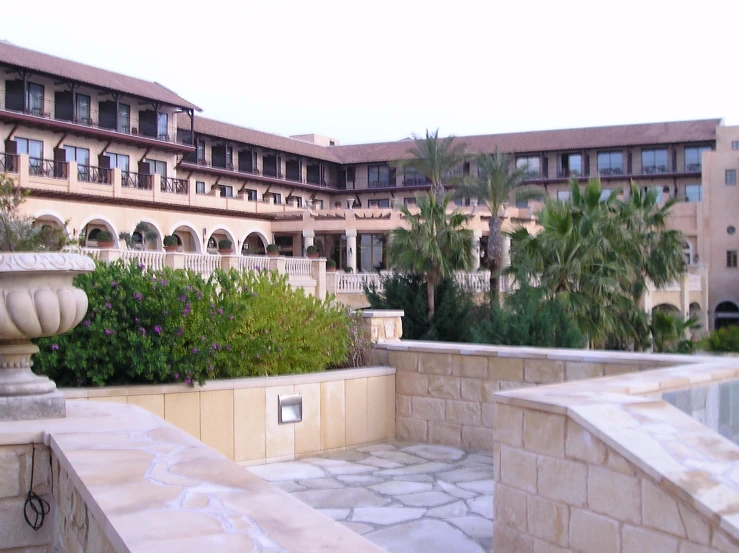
(432, 279)
(495, 255)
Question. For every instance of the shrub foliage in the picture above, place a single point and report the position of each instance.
(145, 326)
(723, 340)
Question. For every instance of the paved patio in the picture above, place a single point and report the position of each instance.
(405, 498)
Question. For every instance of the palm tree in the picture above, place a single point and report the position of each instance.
(434, 157)
(493, 187)
(435, 245)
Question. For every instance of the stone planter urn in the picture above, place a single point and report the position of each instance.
(37, 299)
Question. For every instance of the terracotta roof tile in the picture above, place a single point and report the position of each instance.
(219, 129)
(11, 54)
(545, 141)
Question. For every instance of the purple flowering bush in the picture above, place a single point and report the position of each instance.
(146, 327)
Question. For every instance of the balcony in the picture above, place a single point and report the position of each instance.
(99, 175)
(59, 116)
(654, 169)
(611, 172)
(8, 163)
(569, 173)
(382, 184)
(693, 167)
(172, 185)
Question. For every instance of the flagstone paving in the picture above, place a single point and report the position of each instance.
(406, 498)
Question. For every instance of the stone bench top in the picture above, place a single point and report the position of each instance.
(151, 487)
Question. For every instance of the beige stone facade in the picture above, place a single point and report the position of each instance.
(98, 158)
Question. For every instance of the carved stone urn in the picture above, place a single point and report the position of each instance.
(37, 298)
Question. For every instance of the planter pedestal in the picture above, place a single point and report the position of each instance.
(37, 299)
(24, 395)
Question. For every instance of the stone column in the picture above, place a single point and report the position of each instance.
(229, 262)
(174, 260)
(318, 271)
(383, 325)
(278, 264)
(476, 235)
(351, 249)
(685, 295)
(308, 239)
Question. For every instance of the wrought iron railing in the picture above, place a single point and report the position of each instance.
(99, 175)
(136, 180)
(49, 168)
(8, 163)
(173, 185)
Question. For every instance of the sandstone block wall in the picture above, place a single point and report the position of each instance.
(559, 489)
(15, 480)
(445, 397)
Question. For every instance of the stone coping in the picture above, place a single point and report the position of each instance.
(561, 354)
(381, 313)
(681, 454)
(151, 487)
(229, 384)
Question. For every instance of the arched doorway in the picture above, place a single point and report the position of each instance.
(216, 236)
(688, 253)
(254, 244)
(187, 238)
(725, 314)
(667, 308)
(92, 229)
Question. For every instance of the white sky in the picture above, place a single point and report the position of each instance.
(381, 70)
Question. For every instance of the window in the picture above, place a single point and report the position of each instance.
(277, 198)
(251, 195)
(298, 201)
(731, 259)
(227, 191)
(313, 173)
(408, 202)
(563, 195)
(201, 152)
(118, 161)
(658, 192)
(653, 161)
(605, 193)
(735, 145)
(610, 163)
(461, 202)
(83, 109)
(318, 204)
(687, 253)
(378, 176)
(162, 126)
(229, 158)
(381, 203)
(371, 252)
(82, 157)
(124, 118)
(411, 177)
(35, 99)
(529, 164)
(693, 158)
(157, 167)
(199, 187)
(571, 165)
(730, 176)
(34, 148)
(246, 161)
(331, 143)
(693, 192)
(522, 204)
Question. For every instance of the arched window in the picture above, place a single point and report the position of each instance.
(212, 244)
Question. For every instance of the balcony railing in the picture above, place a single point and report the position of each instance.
(50, 110)
(569, 173)
(8, 163)
(173, 185)
(654, 169)
(611, 171)
(692, 167)
(381, 184)
(99, 175)
(49, 168)
(136, 180)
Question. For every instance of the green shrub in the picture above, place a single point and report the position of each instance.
(225, 244)
(146, 326)
(330, 264)
(527, 319)
(723, 340)
(454, 316)
(104, 236)
(273, 248)
(169, 240)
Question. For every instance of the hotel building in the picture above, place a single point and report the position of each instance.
(103, 151)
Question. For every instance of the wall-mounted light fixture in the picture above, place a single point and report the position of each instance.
(289, 408)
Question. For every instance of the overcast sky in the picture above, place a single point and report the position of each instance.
(382, 70)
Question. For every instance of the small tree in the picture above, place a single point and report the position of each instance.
(19, 232)
(496, 182)
(435, 245)
(434, 157)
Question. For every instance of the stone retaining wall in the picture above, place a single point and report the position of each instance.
(238, 418)
(445, 391)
